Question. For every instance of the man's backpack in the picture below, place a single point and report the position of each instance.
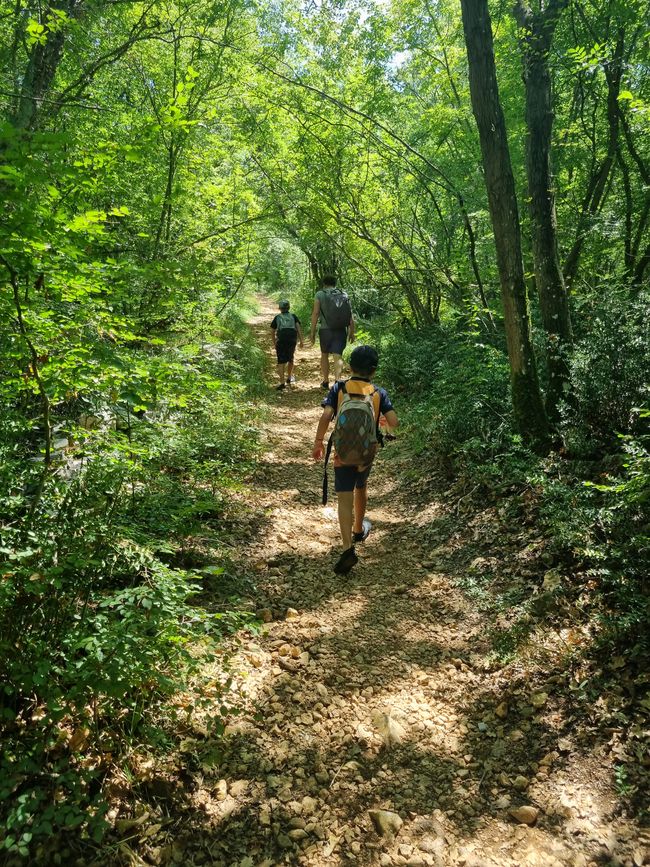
(285, 323)
(356, 434)
(336, 309)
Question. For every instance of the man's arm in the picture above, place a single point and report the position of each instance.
(274, 332)
(351, 330)
(300, 337)
(323, 424)
(315, 313)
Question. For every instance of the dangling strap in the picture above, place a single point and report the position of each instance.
(328, 452)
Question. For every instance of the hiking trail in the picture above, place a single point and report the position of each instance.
(373, 692)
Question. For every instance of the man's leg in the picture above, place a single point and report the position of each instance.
(324, 367)
(289, 371)
(337, 366)
(360, 504)
(281, 373)
(346, 500)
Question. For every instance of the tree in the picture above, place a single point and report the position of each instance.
(536, 34)
(499, 181)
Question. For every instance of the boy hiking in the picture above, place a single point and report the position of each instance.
(286, 333)
(332, 309)
(357, 405)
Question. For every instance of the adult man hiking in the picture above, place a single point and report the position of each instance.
(332, 309)
(357, 405)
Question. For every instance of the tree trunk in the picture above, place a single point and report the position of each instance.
(536, 36)
(41, 69)
(499, 180)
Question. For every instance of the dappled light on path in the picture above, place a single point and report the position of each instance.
(369, 733)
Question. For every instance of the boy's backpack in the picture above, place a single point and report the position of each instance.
(286, 322)
(356, 435)
(336, 309)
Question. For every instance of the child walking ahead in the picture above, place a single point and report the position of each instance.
(357, 405)
(286, 333)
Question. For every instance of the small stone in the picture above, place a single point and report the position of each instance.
(297, 822)
(309, 805)
(482, 727)
(538, 699)
(221, 790)
(297, 834)
(520, 782)
(284, 842)
(386, 823)
(527, 815)
(501, 710)
(291, 614)
(238, 788)
(548, 759)
(552, 580)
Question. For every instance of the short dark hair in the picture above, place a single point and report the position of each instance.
(364, 359)
(329, 280)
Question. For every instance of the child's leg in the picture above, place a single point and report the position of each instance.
(337, 366)
(360, 504)
(324, 367)
(290, 363)
(346, 500)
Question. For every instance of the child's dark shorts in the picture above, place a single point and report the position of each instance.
(285, 348)
(349, 478)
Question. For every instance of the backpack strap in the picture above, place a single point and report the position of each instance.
(330, 442)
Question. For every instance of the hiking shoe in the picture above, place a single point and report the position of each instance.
(280, 387)
(346, 561)
(325, 385)
(363, 535)
(291, 380)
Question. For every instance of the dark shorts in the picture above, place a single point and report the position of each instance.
(349, 478)
(333, 340)
(285, 349)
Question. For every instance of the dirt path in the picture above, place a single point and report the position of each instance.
(373, 692)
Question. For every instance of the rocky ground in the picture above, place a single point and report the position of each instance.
(377, 728)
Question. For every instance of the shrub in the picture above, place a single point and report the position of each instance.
(455, 391)
(610, 372)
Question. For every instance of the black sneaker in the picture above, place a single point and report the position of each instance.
(280, 387)
(363, 535)
(325, 385)
(346, 561)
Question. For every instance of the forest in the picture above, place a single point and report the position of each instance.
(184, 679)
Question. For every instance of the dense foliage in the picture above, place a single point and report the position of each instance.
(159, 164)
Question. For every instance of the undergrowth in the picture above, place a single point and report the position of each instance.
(99, 623)
(590, 501)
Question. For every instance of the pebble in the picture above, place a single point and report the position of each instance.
(386, 822)
(527, 814)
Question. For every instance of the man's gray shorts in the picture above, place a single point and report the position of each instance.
(333, 340)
